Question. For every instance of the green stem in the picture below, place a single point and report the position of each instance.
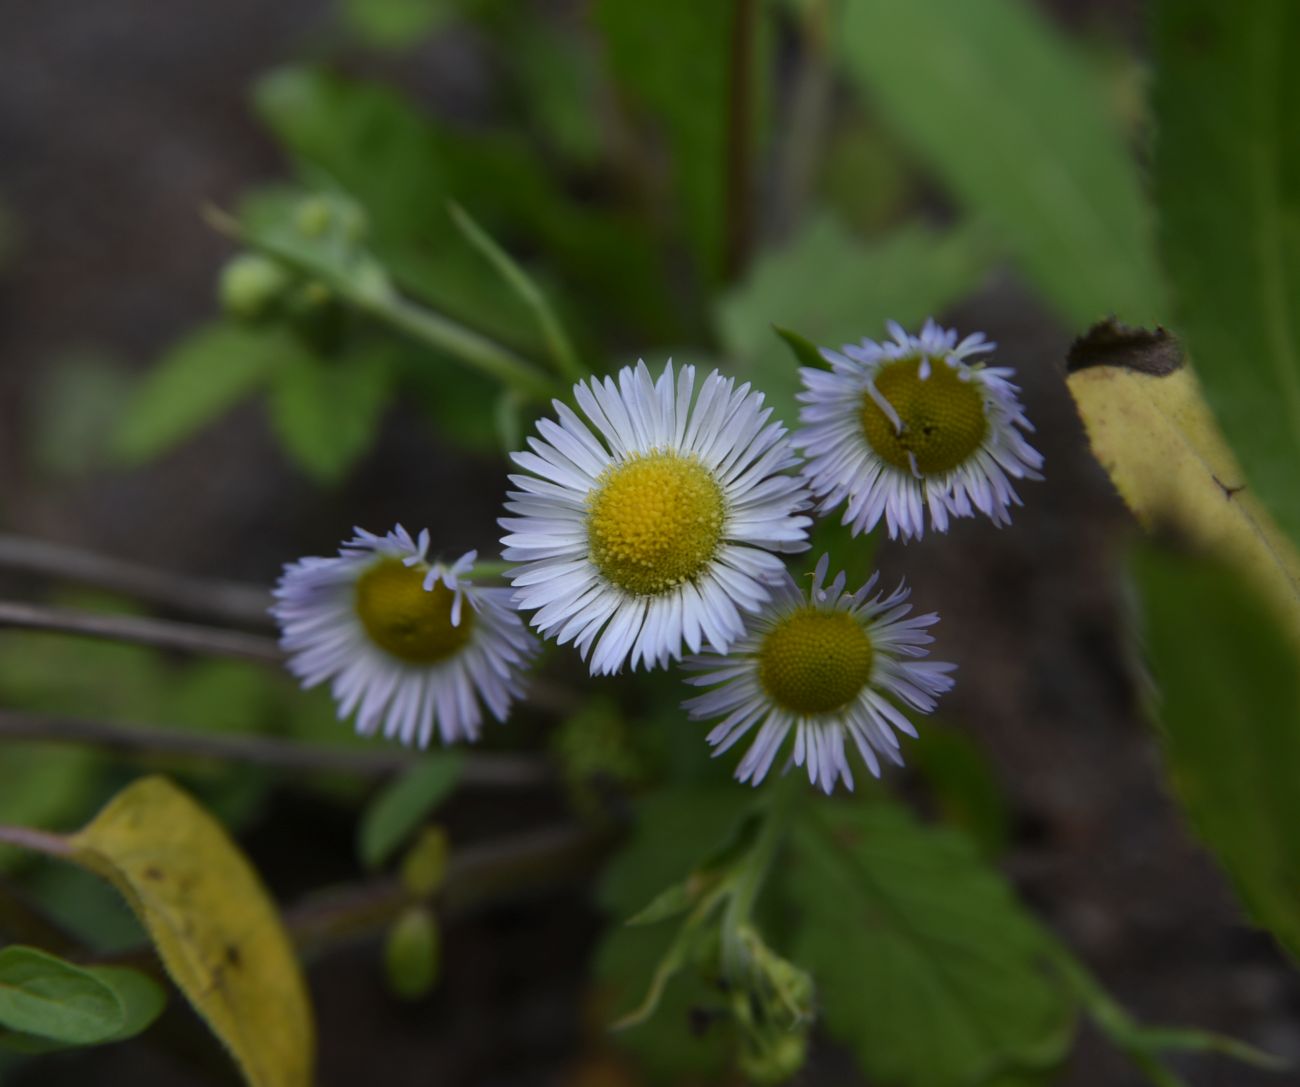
(752, 874)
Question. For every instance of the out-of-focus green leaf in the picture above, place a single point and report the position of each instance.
(926, 965)
(391, 24)
(1011, 119)
(671, 57)
(326, 411)
(1228, 178)
(964, 786)
(41, 785)
(75, 406)
(831, 289)
(404, 804)
(196, 381)
(49, 1003)
(1229, 710)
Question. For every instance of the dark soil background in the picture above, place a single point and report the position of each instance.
(117, 122)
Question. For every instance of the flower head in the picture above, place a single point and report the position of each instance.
(407, 644)
(659, 527)
(829, 665)
(896, 428)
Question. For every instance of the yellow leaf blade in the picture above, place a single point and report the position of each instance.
(1157, 440)
(215, 926)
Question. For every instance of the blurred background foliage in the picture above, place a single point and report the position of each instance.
(456, 206)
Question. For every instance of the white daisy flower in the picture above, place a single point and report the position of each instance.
(659, 530)
(408, 645)
(828, 665)
(893, 429)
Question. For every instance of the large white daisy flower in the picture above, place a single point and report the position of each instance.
(828, 665)
(409, 645)
(895, 428)
(657, 531)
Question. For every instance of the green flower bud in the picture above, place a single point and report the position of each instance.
(425, 863)
(252, 286)
(411, 953)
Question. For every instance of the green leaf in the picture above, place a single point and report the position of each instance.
(392, 24)
(671, 58)
(826, 288)
(42, 995)
(141, 998)
(196, 381)
(1009, 116)
(925, 963)
(326, 411)
(403, 805)
(1227, 174)
(1229, 711)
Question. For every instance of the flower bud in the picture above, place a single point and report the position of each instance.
(252, 286)
(411, 953)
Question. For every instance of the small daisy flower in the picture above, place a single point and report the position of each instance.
(409, 645)
(894, 429)
(659, 527)
(828, 665)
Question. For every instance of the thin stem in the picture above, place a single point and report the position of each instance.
(475, 876)
(752, 874)
(806, 119)
(38, 841)
(225, 601)
(486, 771)
(374, 295)
(740, 136)
(557, 340)
(159, 633)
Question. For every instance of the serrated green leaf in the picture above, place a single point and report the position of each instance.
(403, 805)
(826, 288)
(926, 965)
(1229, 711)
(1227, 174)
(201, 377)
(326, 411)
(1012, 120)
(44, 996)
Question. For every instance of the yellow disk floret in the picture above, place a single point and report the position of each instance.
(412, 623)
(943, 416)
(654, 522)
(815, 661)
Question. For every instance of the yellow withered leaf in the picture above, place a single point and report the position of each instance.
(213, 923)
(1154, 434)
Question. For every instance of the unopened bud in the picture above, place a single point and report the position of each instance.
(411, 953)
(252, 286)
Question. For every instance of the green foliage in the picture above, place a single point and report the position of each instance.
(670, 58)
(326, 412)
(1229, 711)
(832, 289)
(1227, 174)
(926, 965)
(1011, 120)
(392, 24)
(47, 1003)
(401, 806)
(964, 784)
(411, 953)
(200, 378)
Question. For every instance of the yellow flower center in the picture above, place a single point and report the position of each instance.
(815, 661)
(943, 416)
(401, 616)
(654, 522)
